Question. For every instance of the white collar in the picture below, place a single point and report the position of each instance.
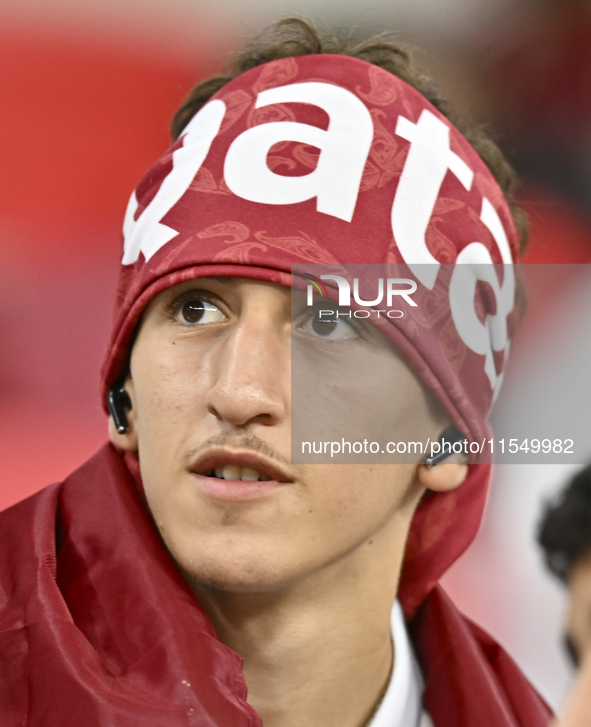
(402, 704)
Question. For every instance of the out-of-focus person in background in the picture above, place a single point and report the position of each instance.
(565, 537)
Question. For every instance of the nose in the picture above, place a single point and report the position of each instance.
(251, 374)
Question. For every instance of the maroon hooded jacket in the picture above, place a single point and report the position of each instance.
(98, 628)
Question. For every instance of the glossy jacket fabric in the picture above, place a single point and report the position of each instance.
(99, 629)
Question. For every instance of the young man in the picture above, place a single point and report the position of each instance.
(191, 573)
(565, 536)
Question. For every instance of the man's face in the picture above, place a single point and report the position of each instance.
(211, 405)
(577, 712)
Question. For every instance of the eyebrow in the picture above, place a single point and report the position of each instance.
(571, 650)
(224, 280)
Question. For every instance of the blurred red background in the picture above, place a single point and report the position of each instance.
(85, 110)
(84, 118)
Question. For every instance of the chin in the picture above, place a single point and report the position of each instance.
(230, 583)
(238, 567)
(217, 577)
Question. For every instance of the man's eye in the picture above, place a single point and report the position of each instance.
(196, 310)
(327, 324)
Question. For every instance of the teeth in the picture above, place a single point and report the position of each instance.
(230, 472)
(234, 472)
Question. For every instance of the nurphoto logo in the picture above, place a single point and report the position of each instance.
(390, 286)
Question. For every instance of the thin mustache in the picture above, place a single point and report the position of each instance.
(254, 444)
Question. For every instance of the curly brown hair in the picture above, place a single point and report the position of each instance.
(297, 37)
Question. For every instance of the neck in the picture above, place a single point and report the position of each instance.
(319, 651)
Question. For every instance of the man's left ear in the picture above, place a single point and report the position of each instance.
(443, 477)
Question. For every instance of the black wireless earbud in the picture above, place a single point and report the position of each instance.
(448, 438)
(118, 401)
